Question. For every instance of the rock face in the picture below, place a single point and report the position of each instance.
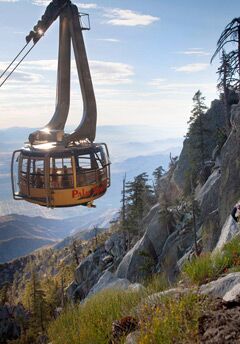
(165, 247)
(87, 273)
(214, 118)
(90, 270)
(157, 250)
(207, 195)
(142, 258)
(230, 176)
(210, 231)
(228, 231)
(115, 245)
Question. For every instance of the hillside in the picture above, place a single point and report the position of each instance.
(21, 235)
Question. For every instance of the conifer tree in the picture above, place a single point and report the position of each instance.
(224, 85)
(196, 137)
(139, 197)
(157, 174)
(196, 129)
(34, 300)
(231, 34)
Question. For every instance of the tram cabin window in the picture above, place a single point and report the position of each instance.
(37, 174)
(23, 172)
(61, 173)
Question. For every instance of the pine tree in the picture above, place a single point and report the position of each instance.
(157, 174)
(124, 225)
(196, 136)
(224, 85)
(34, 300)
(139, 197)
(231, 34)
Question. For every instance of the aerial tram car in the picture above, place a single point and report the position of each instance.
(56, 169)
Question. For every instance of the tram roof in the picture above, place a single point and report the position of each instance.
(55, 150)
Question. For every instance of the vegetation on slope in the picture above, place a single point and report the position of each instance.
(209, 266)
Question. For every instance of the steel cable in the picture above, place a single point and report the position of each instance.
(13, 60)
(17, 64)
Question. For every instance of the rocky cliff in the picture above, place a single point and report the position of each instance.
(163, 248)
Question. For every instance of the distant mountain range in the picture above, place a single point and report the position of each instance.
(20, 235)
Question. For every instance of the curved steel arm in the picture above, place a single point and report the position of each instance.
(87, 127)
(70, 29)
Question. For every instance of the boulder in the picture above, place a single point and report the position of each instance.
(139, 261)
(222, 287)
(88, 273)
(110, 281)
(232, 294)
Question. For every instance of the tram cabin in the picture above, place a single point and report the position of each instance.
(60, 177)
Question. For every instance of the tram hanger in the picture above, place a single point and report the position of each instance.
(57, 169)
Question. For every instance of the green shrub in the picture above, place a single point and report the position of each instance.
(174, 320)
(156, 283)
(199, 269)
(209, 266)
(91, 322)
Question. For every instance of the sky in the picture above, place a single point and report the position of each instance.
(147, 59)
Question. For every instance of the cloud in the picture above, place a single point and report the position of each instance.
(192, 67)
(86, 6)
(103, 72)
(122, 17)
(111, 73)
(181, 88)
(20, 76)
(9, 0)
(195, 51)
(41, 2)
(113, 40)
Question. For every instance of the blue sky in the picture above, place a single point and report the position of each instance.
(147, 59)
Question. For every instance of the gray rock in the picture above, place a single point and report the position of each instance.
(229, 230)
(185, 258)
(132, 338)
(141, 260)
(89, 266)
(154, 298)
(109, 281)
(135, 264)
(214, 118)
(233, 293)
(230, 154)
(88, 273)
(208, 194)
(136, 287)
(221, 286)
(70, 290)
(115, 245)
(210, 231)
